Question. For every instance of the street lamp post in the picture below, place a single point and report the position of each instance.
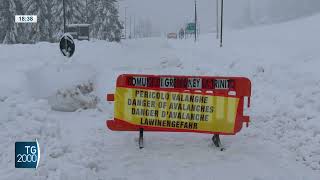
(87, 11)
(217, 11)
(130, 34)
(195, 20)
(125, 22)
(221, 32)
(134, 27)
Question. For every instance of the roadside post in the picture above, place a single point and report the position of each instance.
(221, 24)
(67, 46)
(198, 104)
(195, 20)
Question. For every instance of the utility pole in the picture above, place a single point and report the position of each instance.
(125, 22)
(217, 26)
(87, 11)
(64, 16)
(134, 27)
(185, 28)
(195, 20)
(221, 32)
(130, 35)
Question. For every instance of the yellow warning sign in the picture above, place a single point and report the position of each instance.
(163, 109)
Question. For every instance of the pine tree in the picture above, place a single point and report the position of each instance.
(74, 12)
(101, 14)
(42, 30)
(11, 31)
(50, 19)
(104, 18)
(2, 21)
(114, 27)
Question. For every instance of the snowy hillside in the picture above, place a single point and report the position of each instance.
(283, 141)
(250, 12)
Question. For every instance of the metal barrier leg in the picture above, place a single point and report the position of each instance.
(216, 141)
(141, 138)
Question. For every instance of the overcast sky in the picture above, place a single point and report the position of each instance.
(170, 15)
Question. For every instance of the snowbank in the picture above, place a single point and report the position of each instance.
(67, 87)
(282, 142)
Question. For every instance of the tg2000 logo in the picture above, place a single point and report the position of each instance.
(27, 154)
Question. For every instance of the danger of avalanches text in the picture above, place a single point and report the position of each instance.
(152, 104)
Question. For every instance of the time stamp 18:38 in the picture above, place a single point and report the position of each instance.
(26, 19)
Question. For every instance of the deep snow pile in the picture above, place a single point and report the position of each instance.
(283, 141)
(71, 88)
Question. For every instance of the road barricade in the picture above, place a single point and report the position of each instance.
(212, 105)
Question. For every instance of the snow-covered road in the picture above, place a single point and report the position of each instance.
(283, 141)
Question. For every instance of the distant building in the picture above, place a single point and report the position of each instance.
(172, 36)
(79, 31)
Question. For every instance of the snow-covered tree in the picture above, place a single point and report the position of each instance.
(11, 32)
(104, 17)
(74, 12)
(42, 30)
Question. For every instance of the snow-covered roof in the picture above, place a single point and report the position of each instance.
(78, 25)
